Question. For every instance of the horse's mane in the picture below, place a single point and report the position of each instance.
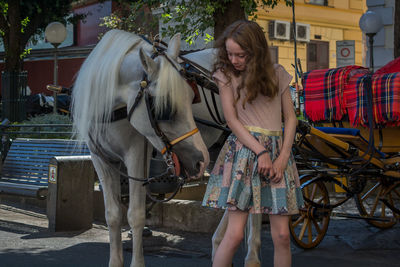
(171, 89)
(95, 88)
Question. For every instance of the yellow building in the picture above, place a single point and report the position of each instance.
(320, 24)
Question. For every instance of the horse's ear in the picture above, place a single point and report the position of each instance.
(149, 65)
(174, 46)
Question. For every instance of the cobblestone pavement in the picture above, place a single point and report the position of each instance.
(26, 241)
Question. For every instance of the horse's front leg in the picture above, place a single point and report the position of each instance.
(137, 219)
(219, 233)
(253, 240)
(113, 209)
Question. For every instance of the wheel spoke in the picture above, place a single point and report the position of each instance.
(303, 229)
(316, 226)
(366, 195)
(396, 192)
(372, 211)
(310, 237)
(383, 210)
(298, 220)
(306, 193)
(314, 189)
(392, 203)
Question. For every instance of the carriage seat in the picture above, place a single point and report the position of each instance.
(352, 136)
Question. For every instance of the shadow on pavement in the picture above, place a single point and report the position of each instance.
(84, 254)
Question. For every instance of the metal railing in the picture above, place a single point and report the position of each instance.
(8, 132)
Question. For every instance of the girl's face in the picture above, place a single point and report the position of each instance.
(236, 55)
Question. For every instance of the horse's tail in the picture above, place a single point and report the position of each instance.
(97, 81)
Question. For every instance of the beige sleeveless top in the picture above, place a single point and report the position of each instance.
(264, 112)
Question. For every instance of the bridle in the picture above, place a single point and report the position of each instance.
(144, 91)
(169, 158)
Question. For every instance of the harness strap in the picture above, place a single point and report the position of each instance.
(216, 108)
(219, 122)
(136, 103)
(99, 151)
(153, 122)
(201, 75)
(180, 138)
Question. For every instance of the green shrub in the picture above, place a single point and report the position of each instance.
(37, 132)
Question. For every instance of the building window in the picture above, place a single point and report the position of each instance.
(318, 2)
(317, 55)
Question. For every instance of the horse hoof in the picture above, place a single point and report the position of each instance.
(147, 232)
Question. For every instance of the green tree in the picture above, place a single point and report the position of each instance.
(21, 19)
(193, 18)
(132, 16)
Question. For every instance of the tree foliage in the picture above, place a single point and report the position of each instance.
(20, 20)
(132, 16)
(193, 18)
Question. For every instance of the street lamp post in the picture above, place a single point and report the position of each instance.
(55, 34)
(370, 23)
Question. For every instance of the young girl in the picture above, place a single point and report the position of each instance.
(255, 171)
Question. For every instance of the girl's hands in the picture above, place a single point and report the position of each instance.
(265, 166)
(279, 166)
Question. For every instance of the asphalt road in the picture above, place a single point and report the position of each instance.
(26, 241)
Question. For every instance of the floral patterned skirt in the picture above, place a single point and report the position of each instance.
(235, 183)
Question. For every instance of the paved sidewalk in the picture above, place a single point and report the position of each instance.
(26, 241)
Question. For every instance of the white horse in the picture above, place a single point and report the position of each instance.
(120, 75)
(205, 58)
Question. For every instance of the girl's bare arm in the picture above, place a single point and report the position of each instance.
(290, 121)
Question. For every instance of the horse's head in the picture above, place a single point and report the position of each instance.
(166, 102)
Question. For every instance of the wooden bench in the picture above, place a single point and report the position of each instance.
(26, 167)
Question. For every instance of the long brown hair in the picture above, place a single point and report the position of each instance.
(259, 75)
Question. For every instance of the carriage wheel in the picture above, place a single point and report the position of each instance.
(369, 201)
(309, 227)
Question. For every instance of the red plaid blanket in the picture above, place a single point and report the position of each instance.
(385, 97)
(392, 66)
(323, 92)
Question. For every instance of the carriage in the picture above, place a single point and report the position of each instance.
(345, 162)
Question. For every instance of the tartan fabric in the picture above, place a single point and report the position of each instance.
(323, 92)
(385, 97)
(392, 66)
(356, 99)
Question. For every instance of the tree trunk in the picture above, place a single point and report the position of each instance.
(13, 45)
(223, 18)
(397, 29)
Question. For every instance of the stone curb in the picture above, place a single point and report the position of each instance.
(185, 215)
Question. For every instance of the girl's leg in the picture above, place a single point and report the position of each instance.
(232, 238)
(281, 238)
